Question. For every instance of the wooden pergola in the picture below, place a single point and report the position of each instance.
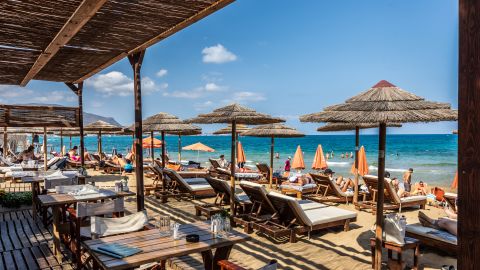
(30, 116)
(69, 41)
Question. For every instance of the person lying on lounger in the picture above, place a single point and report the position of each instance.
(400, 188)
(298, 180)
(420, 188)
(444, 224)
(345, 184)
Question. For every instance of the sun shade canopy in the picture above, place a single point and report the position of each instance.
(235, 112)
(199, 147)
(241, 128)
(273, 130)
(103, 126)
(70, 40)
(351, 126)
(38, 116)
(384, 103)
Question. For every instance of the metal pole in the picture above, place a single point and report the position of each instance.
(232, 167)
(272, 145)
(136, 63)
(381, 176)
(80, 123)
(357, 144)
(45, 147)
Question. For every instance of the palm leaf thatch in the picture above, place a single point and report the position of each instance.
(273, 130)
(384, 103)
(27, 131)
(241, 128)
(169, 124)
(102, 126)
(235, 112)
(351, 126)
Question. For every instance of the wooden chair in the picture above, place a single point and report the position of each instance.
(392, 200)
(224, 193)
(328, 190)
(194, 187)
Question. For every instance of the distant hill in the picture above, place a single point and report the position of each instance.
(87, 117)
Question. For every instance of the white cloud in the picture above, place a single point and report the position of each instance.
(217, 54)
(203, 105)
(54, 97)
(162, 72)
(196, 92)
(117, 83)
(245, 96)
(212, 87)
(19, 95)
(11, 91)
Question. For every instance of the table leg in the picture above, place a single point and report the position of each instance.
(55, 230)
(34, 199)
(415, 257)
(207, 257)
(211, 261)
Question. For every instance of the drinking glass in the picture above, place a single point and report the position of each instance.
(162, 223)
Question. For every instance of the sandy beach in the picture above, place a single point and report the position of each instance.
(326, 249)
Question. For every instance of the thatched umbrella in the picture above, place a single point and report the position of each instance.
(228, 129)
(234, 114)
(272, 131)
(100, 127)
(166, 124)
(356, 127)
(187, 132)
(383, 103)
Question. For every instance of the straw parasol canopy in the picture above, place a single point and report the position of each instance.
(167, 124)
(273, 130)
(198, 147)
(241, 128)
(383, 103)
(234, 114)
(351, 126)
(101, 127)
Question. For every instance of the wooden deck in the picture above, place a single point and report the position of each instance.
(25, 243)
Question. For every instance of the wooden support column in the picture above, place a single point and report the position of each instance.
(45, 149)
(163, 150)
(78, 90)
(272, 146)
(61, 142)
(180, 149)
(469, 136)
(379, 204)
(5, 142)
(152, 154)
(136, 60)
(357, 145)
(232, 166)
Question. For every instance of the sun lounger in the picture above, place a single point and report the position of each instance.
(300, 216)
(250, 176)
(392, 200)
(224, 193)
(195, 187)
(441, 240)
(451, 199)
(328, 190)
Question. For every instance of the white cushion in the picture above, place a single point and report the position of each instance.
(198, 187)
(307, 204)
(193, 181)
(450, 195)
(413, 198)
(299, 188)
(432, 233)
(328, 214)
(111, 226)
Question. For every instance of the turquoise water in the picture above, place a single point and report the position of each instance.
(433, 157)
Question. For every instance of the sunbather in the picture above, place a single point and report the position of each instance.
(420, 188)
(87, 155)
(445, 224)
(344, 183)
(72, 154)
(400, 188)
(298, 180)
(27, 154)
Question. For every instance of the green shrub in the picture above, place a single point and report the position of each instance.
(15, 199)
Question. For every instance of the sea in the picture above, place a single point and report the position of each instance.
(432, 157)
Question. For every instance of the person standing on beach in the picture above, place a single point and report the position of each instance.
(222, 162)
(407, 180)
(287, 164)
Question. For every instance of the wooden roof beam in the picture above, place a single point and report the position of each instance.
(85, 11)
(187, 22)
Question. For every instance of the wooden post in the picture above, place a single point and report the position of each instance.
(357, 145)
(5, 142)
(45, 149)
(151, 148)
(469, 136)
(61, 142)
(70, 142)
(136, 60)
(272, 146)
(164, 165)
(80, 123)
(180, 149)
(381, 176)
(232, 167)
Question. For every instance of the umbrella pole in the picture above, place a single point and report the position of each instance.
(271, 161)
(380, 191)
(163, 149)
(232, 167)
(45, 147)
(70, 142)
(179, 149)
(100, 144)
(151, 147)
(61, 142)
(357, 144)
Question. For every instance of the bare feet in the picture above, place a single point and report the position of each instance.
(426, 221)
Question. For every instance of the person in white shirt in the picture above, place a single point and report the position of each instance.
(222, 162)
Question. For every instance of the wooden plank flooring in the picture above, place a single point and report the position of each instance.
(25, 243)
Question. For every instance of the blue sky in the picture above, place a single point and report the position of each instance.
(285, 58)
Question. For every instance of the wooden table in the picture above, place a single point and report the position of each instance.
(60, 203)
(156, 248)
(410, 243)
